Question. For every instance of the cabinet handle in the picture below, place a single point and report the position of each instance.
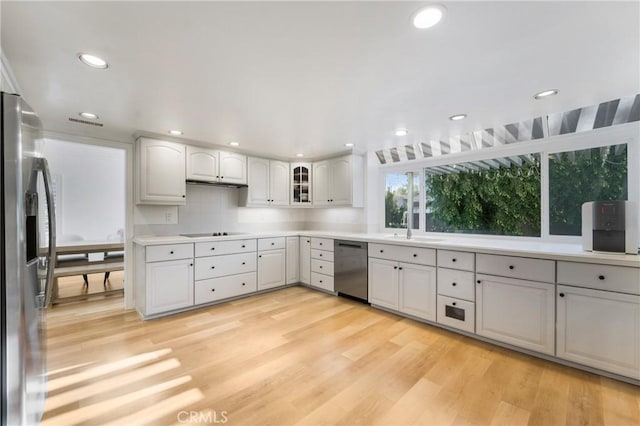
(213, 267)
(171, 252)
(273, 244)
(478, 281)
(184, 196)
(259, 255)
(601, 277)
(511, 267)
(400, 268)
(191, 264)
(217, 177)
(453, 284)
(308, 241)
(395, 267)
(320, 266)
(415, 255)
(454, 303)
(213, 289)
(243, 284)
(243, 246)
(244, 263)
(320, 255)
(381, 251)
(561, 295)
(320, 281)
(221, 177)
(454, 259)
(213, 248)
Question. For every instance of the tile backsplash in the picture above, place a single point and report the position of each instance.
(214, 209)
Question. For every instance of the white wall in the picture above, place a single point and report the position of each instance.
(92, 178)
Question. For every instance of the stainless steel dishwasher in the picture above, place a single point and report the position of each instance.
(350, 269)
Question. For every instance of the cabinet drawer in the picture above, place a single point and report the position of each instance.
(322, 244)
(322, 281)
(456, 313)
(215, 248)
(277, 243)
(322, 255)
(602, 277)
(222, 288)
(219, 266)
(456, 260)
(455, 283)
(322, 266)
(169, 252)
(516, 267)
(420, 256)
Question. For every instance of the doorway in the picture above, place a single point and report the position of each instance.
(89, 189)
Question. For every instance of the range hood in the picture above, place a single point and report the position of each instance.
(222, 184)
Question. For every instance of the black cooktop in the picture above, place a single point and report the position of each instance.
(212, 234)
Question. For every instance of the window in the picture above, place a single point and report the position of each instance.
(533, 189)
(575, 177)
(396, 201)
(497, 197)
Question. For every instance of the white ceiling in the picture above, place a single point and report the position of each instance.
(288, 77)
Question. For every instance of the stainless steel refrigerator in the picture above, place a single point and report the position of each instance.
(26, 268)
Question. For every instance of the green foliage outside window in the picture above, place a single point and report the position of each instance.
(393, 213)
(503, 201)
(598, 174)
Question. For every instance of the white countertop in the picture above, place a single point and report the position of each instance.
(502, 246)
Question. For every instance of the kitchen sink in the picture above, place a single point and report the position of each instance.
(403, 237)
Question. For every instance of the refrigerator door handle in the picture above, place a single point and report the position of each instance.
(40, 164)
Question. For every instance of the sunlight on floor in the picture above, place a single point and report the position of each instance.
(94, 372)
(88, 412)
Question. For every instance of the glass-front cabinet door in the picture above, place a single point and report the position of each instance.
(301, 184)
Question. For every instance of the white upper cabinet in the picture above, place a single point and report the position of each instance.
(160, 172)
(279, 183)
(208, 165)
(268, 183)
(202, 164)
(339, 182)
(301, 184)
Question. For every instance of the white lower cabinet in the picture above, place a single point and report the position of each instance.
(516, 311)
(271, 269)
(305, 260)
(293, 264)
(169, 285)
(600, 329)
(403, 287)
(383, 283)
(215, 289)
(417, 286)
(321, 263)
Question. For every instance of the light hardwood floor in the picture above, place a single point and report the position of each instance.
(297, 356)
(73, 287)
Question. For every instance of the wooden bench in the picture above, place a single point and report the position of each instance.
(98, 268)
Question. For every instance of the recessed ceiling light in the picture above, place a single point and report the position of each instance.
(88, 115)
(428, 16)
(299, 155)
(349, 145)
(546, 93)
(175, 132)
(234, 143)
(458, 117)
(93, 61)
(401, 132)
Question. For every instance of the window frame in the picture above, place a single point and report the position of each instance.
(628, 133)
